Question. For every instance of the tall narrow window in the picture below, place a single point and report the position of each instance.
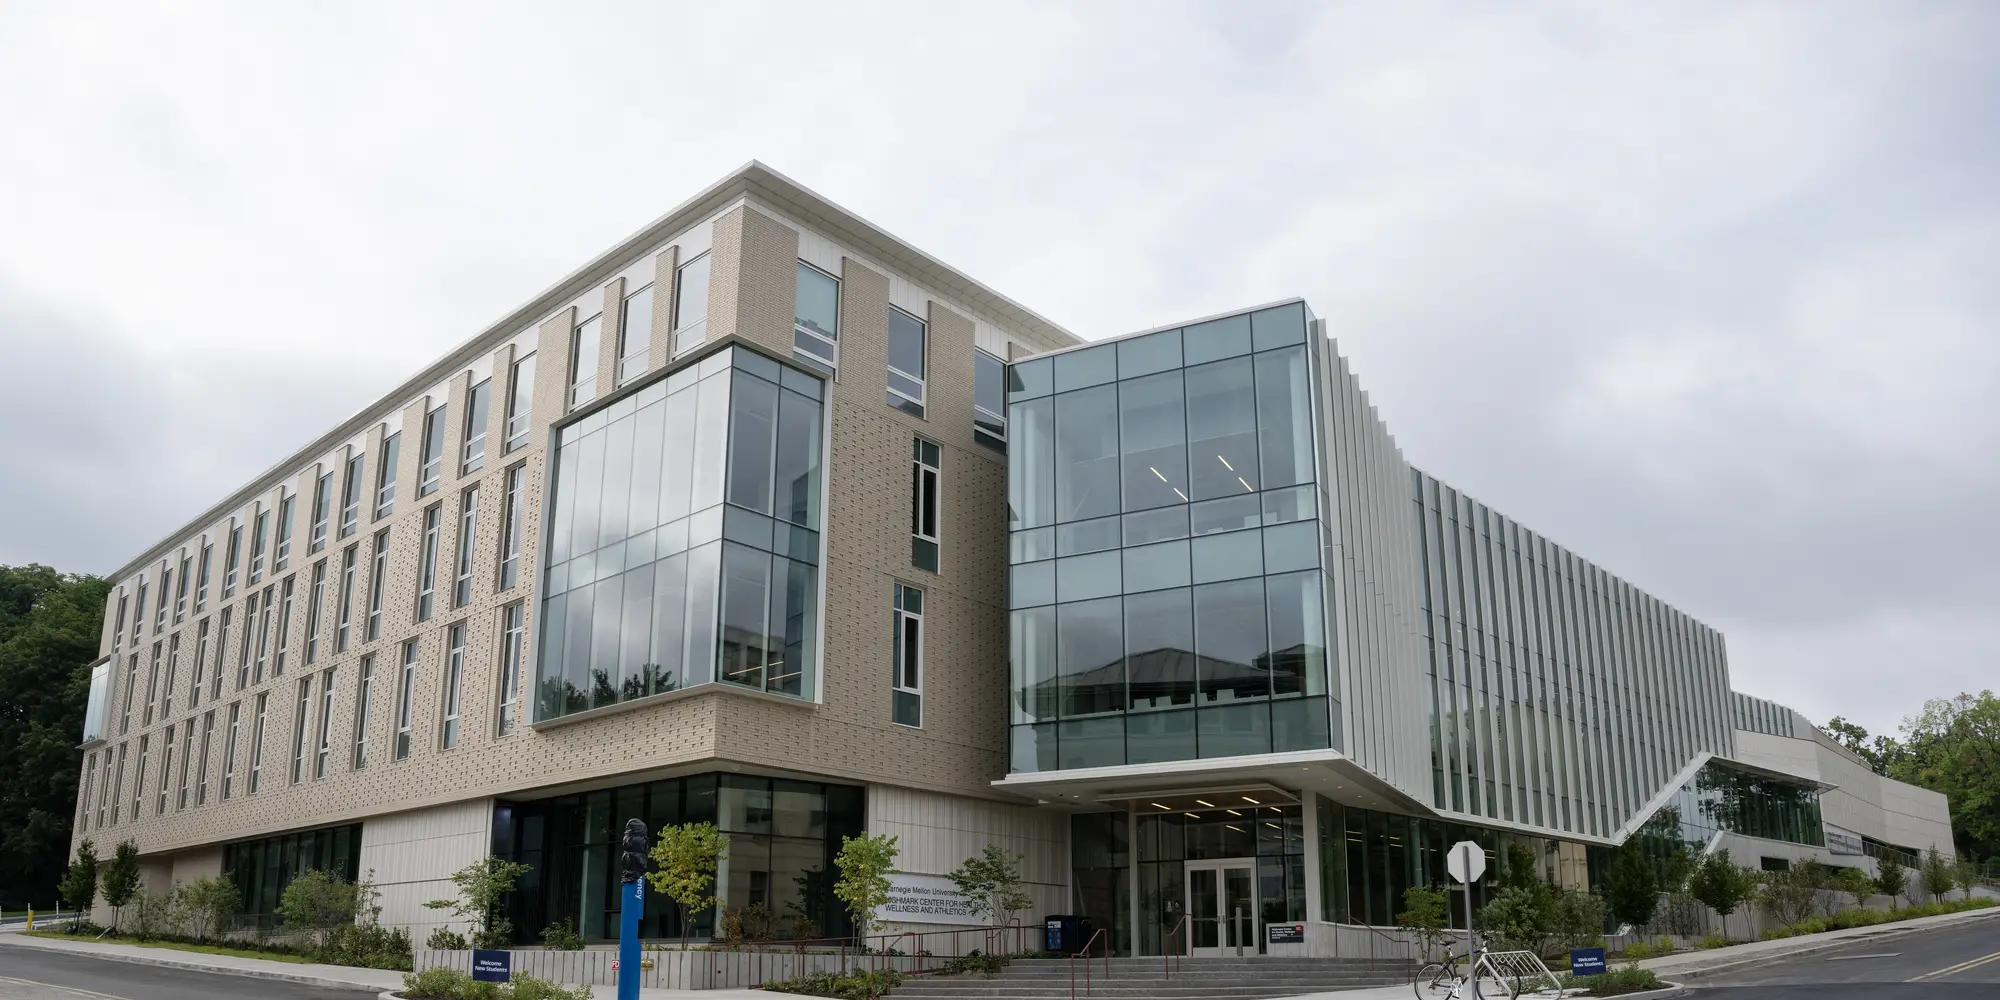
(583, 344)
(346, 617)
(152, 684)
(816, 328)
(116, 787)
(520, 402)
(454, 675)
(362, 690)
(431, 472)
(201, 771)
(906, 362)
(385, 475)
(325, 751)
(229, 750)
(187, 762)
(89, 781)
(118, 629)
(635, 334)
(249, 648)
(513, 631)
(131, 685)
(476, 403)
(257, 744)
(908, 695)
(377, 579)
(316, 597)
(166, 771)
(221, 650)
(173, 662)
(139, 779)
(300, 717)
(230, 561)
(139, 611)
(691, 304)
(510, 529)
(258, 533)
(322, 513)
(350, 495)
(266, 607)
(924, 505)
(406, 693)
(284, 626)
(181, 588)
(427, 564)
(468, 524)
(166, 593)
(104, 790)
(286, 508)
(200, 663)
(201, 579)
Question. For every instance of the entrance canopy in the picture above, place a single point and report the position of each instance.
(1181, 785)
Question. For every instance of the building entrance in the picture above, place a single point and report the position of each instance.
(1222, 907)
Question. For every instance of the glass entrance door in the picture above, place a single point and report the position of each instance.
(1222, 908)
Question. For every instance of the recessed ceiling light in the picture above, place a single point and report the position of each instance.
(1252, 801)
(1205, 802)
(1156, 805)
(1232, 812)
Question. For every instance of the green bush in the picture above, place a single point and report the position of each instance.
(844, 986)
(1649, 949)
(447, 984)
(1712, 941)
(1630, 979)
(530, 988)
(369, 946)
(562, 936)
(446, 939)
(975, 962)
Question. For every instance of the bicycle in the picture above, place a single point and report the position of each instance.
(1444, 981)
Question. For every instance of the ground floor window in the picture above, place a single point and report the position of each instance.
(782, 834)
(262, 868)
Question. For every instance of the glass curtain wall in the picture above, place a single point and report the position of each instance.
(683, 538)
(1722, 799)
(262, 868)
(1273, 835)
(1167, 591)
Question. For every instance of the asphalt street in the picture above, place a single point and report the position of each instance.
(1961, 961)
(27, 974)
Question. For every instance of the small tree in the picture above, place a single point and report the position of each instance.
(318, 902)
(79, 884)
(991, 884)
(1630, 888)
(864, 864)
(1518, 919)
(1424, 917)
(1721, 886)
(1939, 875)
(1520, 871)
(1855, 883)
(121, 880)
(1891, 878)
(684, 860)
(1786, 896)
(210, 902)
(1966, 874)
(481, 887)
(160, 913)
(1578, 918)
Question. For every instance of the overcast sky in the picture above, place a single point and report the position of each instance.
(1709, 294)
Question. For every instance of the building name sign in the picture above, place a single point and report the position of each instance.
(924, 899)
(1839, 841)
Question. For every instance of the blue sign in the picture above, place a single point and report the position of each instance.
(1586, 962)
(492, 966)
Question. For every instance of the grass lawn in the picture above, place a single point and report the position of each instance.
(204, 949)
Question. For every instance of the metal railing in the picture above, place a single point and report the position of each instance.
(1170, 956)
(1085, 955)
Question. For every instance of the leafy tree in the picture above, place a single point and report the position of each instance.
(1424, 917)
(1891, 878)
(210, 902)
(864, 864)
(482, 885)
(1520, 871)
(1966, 873)
(121, 880)
(79, 881)
(50, 624)
(1722, 886)
(1854, 737)
(684, 860)
(1578, 918)
(1953, 747)
(1939, 875)
(1855, 883)
(1791, 895)
(991, 884)
(160, 913)
(1517, 919)
(1630, 888)
(318, 902)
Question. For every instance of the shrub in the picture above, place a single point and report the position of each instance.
(1630, 979)
(530, 988)
(975, 962)
(210, 902)
(446, 939)
(1649, 949)
(562, 936)
(447, 984)
(367, 946)
(160, 914)
(316, 902)
(1712, 941)
(856, 985)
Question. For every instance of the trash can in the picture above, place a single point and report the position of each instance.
(1060, 932)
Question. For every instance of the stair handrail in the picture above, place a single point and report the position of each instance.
(1378, 933)
(1085, 955)
(1170, 957)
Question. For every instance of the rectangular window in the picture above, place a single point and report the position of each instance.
(200, 661)
(257, 535)
(583, 345)
(468, 524)
(89, 781)
(167, 688)
(454, 674)
(257, 744)
(907, 698)
(139, 611)
(431, 472)
(187, 763)
(427, 564)
(924, 505)
(221, 648)
(266, 605)
(385, 475)
(816, 328)
(322, 513)
(201, 580)
(131, 685)
(181, 591)
(691, 304)
(361, 693)
(229, 562)
(152, 684)
(234, 736)
(118, 629)
(511, 636)
(284, 626)
(907, 336)
(315, 598)
(104, 789)
(283, 557)
(116, 787)
(989, 400)
(249, 646)
(520, 402)
(350, 495)
(406, 693)
(139, 779)
(473, 455)
(300, 729)
(346, 618)
(166, 771)
(377, 579)
(166, 592)
(635, 334)
(325, 752)
(510, 529)
(201, 771)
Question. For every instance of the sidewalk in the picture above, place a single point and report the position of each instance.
(337, 977)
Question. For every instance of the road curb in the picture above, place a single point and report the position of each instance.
(1889, 932)
(301, 979)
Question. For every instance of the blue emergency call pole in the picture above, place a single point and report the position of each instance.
(632, 906)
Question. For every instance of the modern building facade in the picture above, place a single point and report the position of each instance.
(766, 518)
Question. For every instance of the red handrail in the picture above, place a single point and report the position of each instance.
(1085, 955)
(1170, 957)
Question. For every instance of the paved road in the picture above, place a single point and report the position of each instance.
(1952, 963)
(27, 974)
